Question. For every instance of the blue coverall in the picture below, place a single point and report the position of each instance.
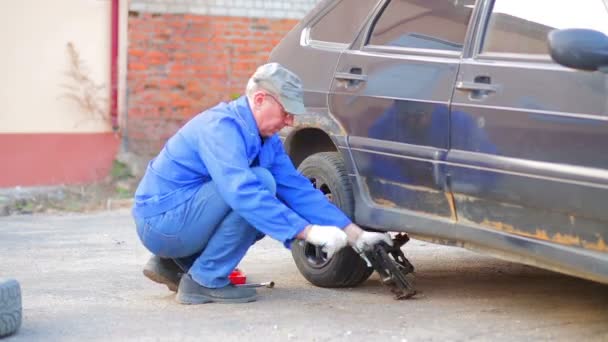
(212, 189)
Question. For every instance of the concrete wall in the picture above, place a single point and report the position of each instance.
(187, 55)
(35, 62)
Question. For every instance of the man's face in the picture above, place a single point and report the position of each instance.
(270, 115)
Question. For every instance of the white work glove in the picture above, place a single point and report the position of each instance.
(367, 240)
(330, 238)
(363, 241)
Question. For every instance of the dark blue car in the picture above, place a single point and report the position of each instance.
(459, 122)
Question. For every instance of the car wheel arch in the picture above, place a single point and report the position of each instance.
(305, 141)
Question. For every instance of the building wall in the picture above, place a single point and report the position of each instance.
(46, 137)
(35, 59)
(187, 55)
(279, 9)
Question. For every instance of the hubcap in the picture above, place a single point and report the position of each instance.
(320, 184)
(315, 255)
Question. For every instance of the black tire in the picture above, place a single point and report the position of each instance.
(10, 306)
(327, 173)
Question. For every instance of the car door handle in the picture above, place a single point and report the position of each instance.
(350, 77)
(475, 86)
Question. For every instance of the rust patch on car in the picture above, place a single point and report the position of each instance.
(450, 198)
(320, 120)
(507, 228)
(599, 245)
(385, 202)
(415, 198)
(566, 239)
(408, 186)
(377, 200)
(541, 234)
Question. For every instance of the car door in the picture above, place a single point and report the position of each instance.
(312, 49)
(391, 91)
(528, 136)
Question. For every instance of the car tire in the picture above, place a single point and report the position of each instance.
(10, 307)
(327, 172)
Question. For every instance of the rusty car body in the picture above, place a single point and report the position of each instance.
(455, 125)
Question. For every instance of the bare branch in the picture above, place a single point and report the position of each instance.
(82, 89)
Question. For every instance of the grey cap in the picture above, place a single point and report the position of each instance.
(283, 83)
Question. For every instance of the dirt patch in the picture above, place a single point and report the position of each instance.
(116, 191)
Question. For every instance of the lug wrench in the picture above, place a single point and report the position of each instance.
(269, 284)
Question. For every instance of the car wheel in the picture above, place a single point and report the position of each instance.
(10, 306)
(327, 173)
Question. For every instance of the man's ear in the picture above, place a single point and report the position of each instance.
(258, 98)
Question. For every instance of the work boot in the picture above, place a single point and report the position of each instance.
(190, 292)
(163, 271)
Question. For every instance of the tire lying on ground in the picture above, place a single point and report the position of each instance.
(327, 173)
(10, 306)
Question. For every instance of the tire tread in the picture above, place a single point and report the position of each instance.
(10, 307)
(346, 269)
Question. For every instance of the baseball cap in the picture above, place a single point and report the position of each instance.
(283, 83)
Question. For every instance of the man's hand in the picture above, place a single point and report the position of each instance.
(330, 238)
(367, 240)
(363, 241)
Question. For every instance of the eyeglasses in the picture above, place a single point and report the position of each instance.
(285, 113)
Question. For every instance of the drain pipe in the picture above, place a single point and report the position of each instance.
(114, 66)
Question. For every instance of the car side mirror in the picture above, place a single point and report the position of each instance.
(579, 49)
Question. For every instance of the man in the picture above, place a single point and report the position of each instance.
(222, 182)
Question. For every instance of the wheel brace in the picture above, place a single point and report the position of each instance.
(392, 266)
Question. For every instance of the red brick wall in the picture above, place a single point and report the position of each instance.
(181, 64)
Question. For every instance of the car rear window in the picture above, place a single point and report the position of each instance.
(343, 21)
(423, 24)
(522, 26)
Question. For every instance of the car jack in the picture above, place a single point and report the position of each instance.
(392, 266)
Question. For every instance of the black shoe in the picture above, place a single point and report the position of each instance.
(190, 292)
(163, 271)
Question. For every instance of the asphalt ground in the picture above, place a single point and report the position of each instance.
(81, 281)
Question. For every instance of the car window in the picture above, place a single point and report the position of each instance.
(342, 23)
(423, 24)
(521, 26)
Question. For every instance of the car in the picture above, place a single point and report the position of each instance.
(453, 121)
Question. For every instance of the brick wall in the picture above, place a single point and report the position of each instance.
(281, 9)
(187, 55)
